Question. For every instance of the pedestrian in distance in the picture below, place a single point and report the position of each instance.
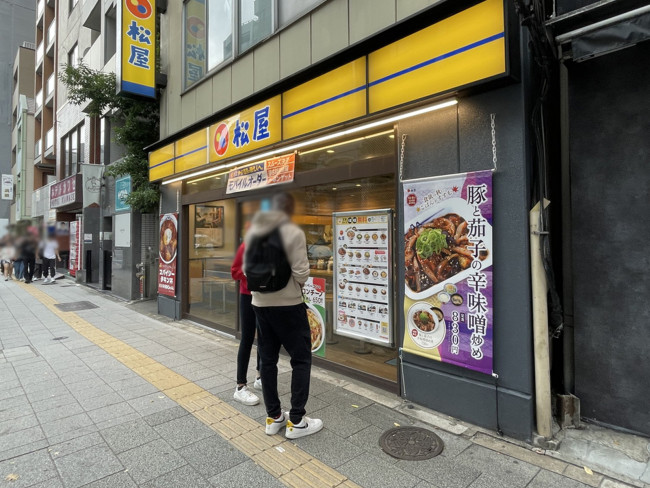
(276, 267)
(19, 260)
(50, 257)
(7, 256)
(28, 252)
(248, 325)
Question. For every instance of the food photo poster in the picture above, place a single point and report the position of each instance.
(448, 302)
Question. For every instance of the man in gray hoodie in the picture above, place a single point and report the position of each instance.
(282, 321)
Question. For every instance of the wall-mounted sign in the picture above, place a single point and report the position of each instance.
(92, 175)
(74, 263)
(313, 292)
(122, 190)
(363, 275)
(265, 173)
(167, 252)
(7, 187)
(195, 41)
(448, 269)
(64, 192)
(137, 65)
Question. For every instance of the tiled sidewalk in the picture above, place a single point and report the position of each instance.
(73, 412)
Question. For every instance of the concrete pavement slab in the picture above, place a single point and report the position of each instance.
(165, 416)
(87, 465)
(245, 474)
(184, 476)
(117, 480)
(212, 456)
(370, 471)
(329, 448)
(183, 431)
(151, 460)
(546, 479)
(30, 469)
(129, 435)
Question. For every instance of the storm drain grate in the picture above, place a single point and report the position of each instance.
(75, 306)
(411, 443)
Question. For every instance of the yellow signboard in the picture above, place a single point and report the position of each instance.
(137, 66)
(191, 151)
(467, 47)
(330, 99)
(161, 162)
(250, 129)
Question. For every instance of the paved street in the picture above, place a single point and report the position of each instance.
(109, 397)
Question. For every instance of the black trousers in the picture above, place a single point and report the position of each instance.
(49, 269)
(30, 263)
(248, 327)
(288, 327)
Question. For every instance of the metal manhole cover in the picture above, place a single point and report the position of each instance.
(75, 306)
(411, 443)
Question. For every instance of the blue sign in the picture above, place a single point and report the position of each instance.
(122, 190)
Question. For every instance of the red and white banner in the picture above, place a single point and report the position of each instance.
(264, 173)
(74, 263)
(168, 253)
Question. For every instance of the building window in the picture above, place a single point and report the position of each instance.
(73, 56)
(110, 37)
(255, 22)
(72, 150)
(291, 10)
(73, 4)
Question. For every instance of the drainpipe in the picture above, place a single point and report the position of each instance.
(23, 161)
(540, 328)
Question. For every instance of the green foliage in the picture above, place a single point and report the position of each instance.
(135, 124)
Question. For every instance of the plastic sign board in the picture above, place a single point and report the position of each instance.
(137, 38)
(7, 187)
(122, 191)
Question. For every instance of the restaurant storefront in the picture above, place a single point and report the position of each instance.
(354, 146)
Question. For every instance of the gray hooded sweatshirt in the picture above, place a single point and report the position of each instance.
(295, 246)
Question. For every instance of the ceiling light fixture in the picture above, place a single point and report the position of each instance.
(318, 140)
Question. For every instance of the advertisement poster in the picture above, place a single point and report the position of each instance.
(122, 191)
(362, 275)
(265, 173)
(7, 187)
(168, 250)
(448, 269)
(314, 296)
(195, 42)
(208, 227)
(74, 248)
(92, 175)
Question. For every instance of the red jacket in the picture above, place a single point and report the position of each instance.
(237, 270)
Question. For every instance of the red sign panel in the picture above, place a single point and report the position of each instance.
(168, 254)
(64, 192)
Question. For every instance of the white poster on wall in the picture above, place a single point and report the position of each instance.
(7, 187)
(122, 230)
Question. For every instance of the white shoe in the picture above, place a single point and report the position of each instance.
(306, 427)
(22, 279)
(47, 280)
(273, 426)
(35, 279)
(258, 384)
(245, 396)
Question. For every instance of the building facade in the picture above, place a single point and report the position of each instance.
(359, 107)
(17, 28)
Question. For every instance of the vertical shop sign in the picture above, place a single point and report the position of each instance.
(168, 250)
(92, 175)
(7, 187)
(195, 41)
(448, 302)
(72, 262)
(137, 65)
(363, 275)
(314, 297)
(122, 191)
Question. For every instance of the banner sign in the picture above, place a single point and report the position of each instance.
(265, 173)
(314, 296)
(195, 41)
(167, 251)
(64, 192)
(73, 264)
(122, 190)
(137, 64)
(7, 187)
(448, 302)
(363, 275)
(92, 183)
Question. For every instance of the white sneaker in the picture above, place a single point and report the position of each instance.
(47, 280)
(35, 279)
(273, 426)
(258, 384)
(306, 427)
(245, 396)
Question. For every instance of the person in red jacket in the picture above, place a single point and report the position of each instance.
(248, 325)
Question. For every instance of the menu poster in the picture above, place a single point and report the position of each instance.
(313, 292)
(448, 269)
(362, 275)
(167, 252)
(73, 265)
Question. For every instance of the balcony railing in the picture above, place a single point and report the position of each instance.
(49, 87)
(39, 100)
(40, 50)
(37, 149)
(49, 139)
(40, 9)
(51, 32)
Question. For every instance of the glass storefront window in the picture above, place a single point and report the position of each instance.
(206, 183)
(212, 294)
(314, 208)
(255, 22)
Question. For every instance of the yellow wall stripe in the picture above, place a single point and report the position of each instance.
(281, 458)
(191, 151)
(161, 162)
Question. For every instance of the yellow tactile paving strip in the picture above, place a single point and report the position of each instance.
(282, 459)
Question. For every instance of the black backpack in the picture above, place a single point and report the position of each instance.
(267, 268)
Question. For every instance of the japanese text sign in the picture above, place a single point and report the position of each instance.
(265, 173)
(167, 252)
(448, 269)
(250, 129)
(64, 192)
(137, 66)
(313, 293)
